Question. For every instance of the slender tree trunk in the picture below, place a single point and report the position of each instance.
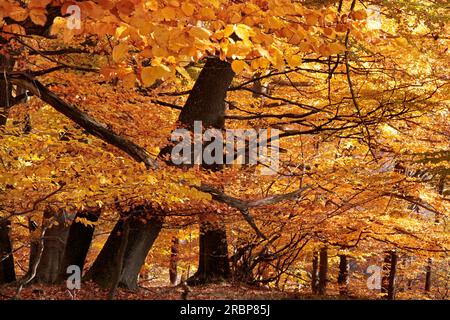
(174, 250)
(428, 276)
(323, 271)
(343, 275)
(78, 242)
(389, 274)
(7, 272)
(315, 272)
(140, 240)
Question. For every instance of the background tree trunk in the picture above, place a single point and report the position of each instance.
(323, 271)
(78, 242)
(173, 272)
(343, 275)
(315, 272)
(428, 276)
(389, 274)
(140, 240)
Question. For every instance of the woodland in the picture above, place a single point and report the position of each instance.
(356, 90)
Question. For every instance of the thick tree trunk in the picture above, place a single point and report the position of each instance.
(78, 242)
(206, 103)
(173, 272)
(389, 274)
(140, 240)
(7, 272)
(428, 276)
(315, 272)
(54, 244)
(343, 275)
(213, 263)
(323, 271)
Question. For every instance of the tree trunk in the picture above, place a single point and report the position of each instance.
(173, 272)
(78, 242)
(7, 272)
(54, 243)
(120, 259)
(315, 272)
(428, 276)
(389, 273)
(343, 275)
(140, 240)
(323, 271)
(213, 261)
(206, 103)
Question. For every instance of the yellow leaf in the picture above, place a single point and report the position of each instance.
(294, 61)
(119, 52)
(238, 66)
(188, 8)
(207, 13)
(150, 74)
(199, 33)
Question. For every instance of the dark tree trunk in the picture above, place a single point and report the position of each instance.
(206, 103)
(323, 271)
(6, 97)
(389, 274)
(428, 276)
(173, 272)
(120, 259)
(315, 272)
(343, 275)
(213, 263)
(78, 242)
(54, 244)
(140, 240)
(7, 272)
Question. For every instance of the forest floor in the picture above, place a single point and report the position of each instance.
(90, 291)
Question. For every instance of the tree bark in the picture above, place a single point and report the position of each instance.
(140, 240)
(78, 242)
(206, 103)
(389, 274)
(323, 271)
(52, 255)
(120, 259)
(428, 276)
(7, 272)
(315, 272)
(174, 250)
(213, 263)
(343, 275)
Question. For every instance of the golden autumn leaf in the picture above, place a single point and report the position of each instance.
(38, 16)
(120, 52)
